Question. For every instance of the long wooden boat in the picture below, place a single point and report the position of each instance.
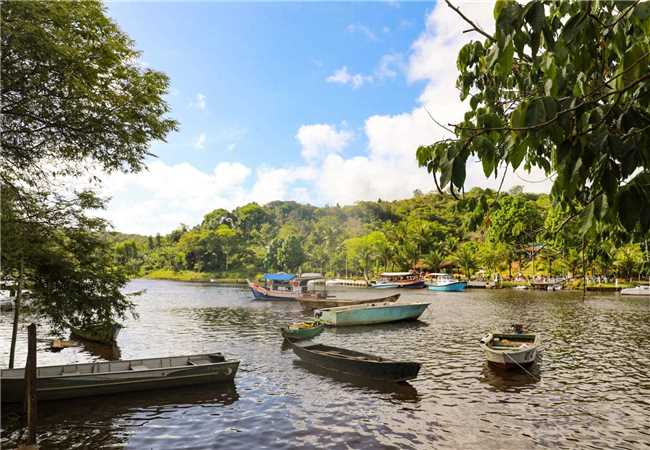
(302, 330)
(105, 333)
(369, 314)
(111, 377)
(285, 286)
(330, 302)
(356, 363)
(510, 350)
(394, 280)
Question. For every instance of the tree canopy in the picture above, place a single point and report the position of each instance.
(563, 86)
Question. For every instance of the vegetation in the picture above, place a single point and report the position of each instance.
(73, 98)
(563, 86)
(495, 233)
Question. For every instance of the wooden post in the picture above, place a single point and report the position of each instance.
(30, 385)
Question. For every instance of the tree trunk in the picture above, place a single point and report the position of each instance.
(14, 331)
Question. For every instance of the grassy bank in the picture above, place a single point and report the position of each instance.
(189, 275)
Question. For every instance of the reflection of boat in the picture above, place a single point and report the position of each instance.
(301, 330)
(356, 363)
(285, 286)
(100, 378)
(510, 350)
(370, 314)
(109, 352)
(638, 290)
(445, 283)
(392, 280)
(105, 333)
(403, 391)
(505, 380)
(316, 303)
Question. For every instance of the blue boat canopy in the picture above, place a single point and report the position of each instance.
(279, 276)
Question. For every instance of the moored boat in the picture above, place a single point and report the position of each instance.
(643, 290)
(101, 378)
(330, 302)
(285, 286)
(444, 283)
(105, 333)
(510, 350)
(394, 280)
(369, 314)
(356, 363)
(302, 330)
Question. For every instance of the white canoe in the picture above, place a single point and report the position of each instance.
(370, 314)
(510, 350)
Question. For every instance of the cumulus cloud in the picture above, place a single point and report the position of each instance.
(359, 28)
(199, 143)
(343, 76)
(200, 102)
(320, 139)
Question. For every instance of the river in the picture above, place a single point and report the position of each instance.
(590, 388)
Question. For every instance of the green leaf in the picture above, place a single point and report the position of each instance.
(518, 116)
(535, 113)
(458, 171)
(634, 62)
(516, 155)
(628, 208)
(505, 58)
(573, 27)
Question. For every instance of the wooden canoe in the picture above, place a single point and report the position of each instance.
(318, 303)
(105, 333)
(111, 377)
(301, 331)
(356, 363)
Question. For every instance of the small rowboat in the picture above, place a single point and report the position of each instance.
(105, 333)
(370, 314)
(111, 377)
(317, 303)
(356, 363)
(510, 350)
(302, 330)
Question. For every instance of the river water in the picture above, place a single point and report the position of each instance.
(590, 388)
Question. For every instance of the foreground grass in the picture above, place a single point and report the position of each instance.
(189, 275)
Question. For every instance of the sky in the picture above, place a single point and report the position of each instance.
(321, 103)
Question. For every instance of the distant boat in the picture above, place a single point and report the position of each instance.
(638, 290)
(284, 286)
(318, 303)
(445, 283)
(356, 363)
(369, 314)
(393, 280)
(510, 350)
(112, 377)
(302, 330)
(521, 287)
(105, 333)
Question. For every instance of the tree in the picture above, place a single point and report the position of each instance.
(628, 259)
(466, 257)
(563, 86)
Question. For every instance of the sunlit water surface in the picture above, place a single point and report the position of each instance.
(590, 388)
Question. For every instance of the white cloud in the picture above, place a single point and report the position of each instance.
(390, 65)
(199, 143)
(342, 76)
(319, 139)
(200, 102)
(359, 28)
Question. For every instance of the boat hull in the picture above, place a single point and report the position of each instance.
(511, 358)
(458, 286)
(371, 314)
(638, 291)
(357, 364)
(261, 293)
(385, 286)
(315, 303)
(92, 379)
(300, 334)
(103, 333)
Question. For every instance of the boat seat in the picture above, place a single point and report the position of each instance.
(138, 367)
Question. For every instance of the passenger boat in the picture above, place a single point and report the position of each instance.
(510, 350)
(356, 363)
(444, 282)
(643, 290)
(330, 302)
(111, 377)
(393, 280)
(302, 330)
(370, 314)
(285, 286)
(105, 333)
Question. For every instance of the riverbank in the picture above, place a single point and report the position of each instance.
(192, 276)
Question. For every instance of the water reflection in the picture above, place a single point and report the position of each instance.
(507, 379)
(103, 351)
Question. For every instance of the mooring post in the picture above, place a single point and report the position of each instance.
(30, 385)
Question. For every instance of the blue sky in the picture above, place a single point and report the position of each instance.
(314, 102)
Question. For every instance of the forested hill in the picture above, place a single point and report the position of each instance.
(432, 232)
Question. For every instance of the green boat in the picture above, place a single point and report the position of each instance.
(301, 330)
(106, 333)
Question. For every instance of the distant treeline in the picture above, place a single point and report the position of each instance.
(509, 233)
